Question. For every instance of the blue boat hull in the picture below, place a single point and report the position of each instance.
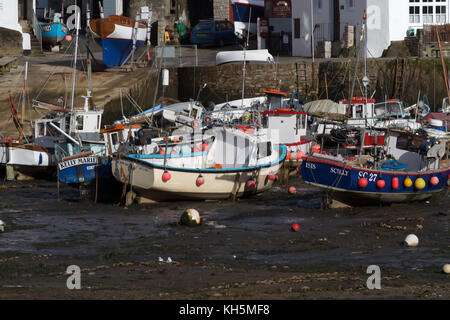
(85, 173)
(116, 51)
(53, 33)
(342, 181)
(241, 12)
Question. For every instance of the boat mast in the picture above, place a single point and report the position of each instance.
(22, 119)
(444, 68)
(244, 69)
(77, 25)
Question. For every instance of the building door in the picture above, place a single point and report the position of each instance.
(336, 21)
(200, 9)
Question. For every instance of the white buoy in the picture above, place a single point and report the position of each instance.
(169, 260)
(190, 217)
(165, 77)
(446, 268)
(2, 226)
(160, 259)
(411, 240)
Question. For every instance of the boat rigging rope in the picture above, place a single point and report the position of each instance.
(52, 72)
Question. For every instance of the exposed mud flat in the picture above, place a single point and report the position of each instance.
(242, 250)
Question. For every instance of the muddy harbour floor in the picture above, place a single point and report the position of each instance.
(242, 250)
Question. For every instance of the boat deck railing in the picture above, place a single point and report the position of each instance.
(37, 29)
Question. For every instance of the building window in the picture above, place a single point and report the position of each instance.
(427, 14)
(350, 4)
(441, 14)
(414, 14)
(318, 5)
(297, 28)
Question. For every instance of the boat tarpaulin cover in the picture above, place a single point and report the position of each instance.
(326, 109)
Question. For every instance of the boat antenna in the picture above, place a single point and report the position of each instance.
(77, 25)
(245, 46)
(22, 119)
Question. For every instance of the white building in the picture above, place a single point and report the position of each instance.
(9, 15)
(387, 20)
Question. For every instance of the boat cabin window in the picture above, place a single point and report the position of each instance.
(114, 138)
(80, 120)
(301, 121)
(392, 108)
(358, 111)
(409, 143)
(275, 101)
(264, 149)
(98, 121)
(41, 129)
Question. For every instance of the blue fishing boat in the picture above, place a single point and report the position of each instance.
(407, 168)
(53, 33)
(53, 29)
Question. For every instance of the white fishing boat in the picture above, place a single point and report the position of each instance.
(234, 164)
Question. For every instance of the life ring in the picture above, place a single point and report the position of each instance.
(207, 119)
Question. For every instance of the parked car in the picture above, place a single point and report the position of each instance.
(213, 32)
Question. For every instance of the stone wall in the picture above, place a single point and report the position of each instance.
(225, 82)
(11, 42)
(221, 9)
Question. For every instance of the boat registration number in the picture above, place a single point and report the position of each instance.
(77, 162)
(372, 177)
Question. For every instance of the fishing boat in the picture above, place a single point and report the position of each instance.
(245, 15)
(53, 30)
(281, 117)
(391, 165)
(118, 36)
(407, 167)
(234, 164)
(31, 156)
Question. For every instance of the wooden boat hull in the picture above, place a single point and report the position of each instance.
(341, 181)
(115, 35)
(146, 180)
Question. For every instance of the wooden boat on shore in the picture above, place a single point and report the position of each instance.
(117, 35)
(234, 165)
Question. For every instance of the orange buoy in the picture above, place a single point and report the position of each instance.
(68, 37)
(205, 146)
(251, 183)
(292, 190)
(316, 148)
(295, 227)
(272, 177)
(408, 182)
(362, 182)
(166, 176)
(300, 154)
(394, 183)
(434, 181)
(162, 151)
(288, 155)
(200, 180)
(380, 184)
